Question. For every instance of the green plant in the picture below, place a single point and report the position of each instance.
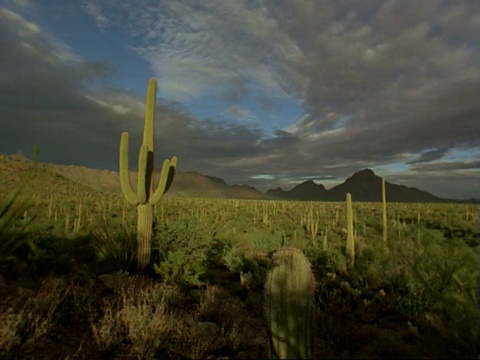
(182, 267)
(233, 258)
(145, 198)
(289, 304)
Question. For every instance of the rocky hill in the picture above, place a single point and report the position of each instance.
(363, 185)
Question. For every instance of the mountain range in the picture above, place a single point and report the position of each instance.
(363, 185)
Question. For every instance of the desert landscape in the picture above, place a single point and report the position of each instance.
(70, 287)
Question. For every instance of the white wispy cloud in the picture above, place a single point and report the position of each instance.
(197, 48)
(94, 9)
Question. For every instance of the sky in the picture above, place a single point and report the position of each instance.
(261, 92)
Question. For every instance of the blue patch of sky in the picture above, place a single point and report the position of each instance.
(390, 168)
(269, 114)
(316, 178)
(342, 121)
(463, 155)
(77, 29)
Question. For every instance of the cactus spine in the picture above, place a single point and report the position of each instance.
(145, 198)
(384, 212)
(350, 239)
(289, 301)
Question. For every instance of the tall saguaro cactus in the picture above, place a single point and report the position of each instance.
(289, 301)
(384, 211)
(350, 239)
(145, 197)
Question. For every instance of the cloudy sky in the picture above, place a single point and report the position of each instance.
(261, 92)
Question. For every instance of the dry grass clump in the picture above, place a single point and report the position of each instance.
(138, 320)
(216, 326)
(24, 321)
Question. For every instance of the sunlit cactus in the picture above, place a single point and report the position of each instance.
(384, 211)
(289, 305)
(145, 197)
(350, 238)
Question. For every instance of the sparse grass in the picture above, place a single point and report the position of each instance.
(14, 222)
(140, 321)
(117, 249)
(24, 321)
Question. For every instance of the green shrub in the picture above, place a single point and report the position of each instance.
(180, 253)
(182, 267)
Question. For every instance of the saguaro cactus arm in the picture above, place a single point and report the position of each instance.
(166, 179)
(171, 173)
(125, 184)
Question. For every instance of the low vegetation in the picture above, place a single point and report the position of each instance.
(69, 284)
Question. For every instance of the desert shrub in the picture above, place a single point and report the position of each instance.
(51, 255)
(139, 321)
(13, 225)
(373, 264)
(115, 249)
(180, 252)
(234, 258)
(215, 327)
(439, 278)
(182, 267)
(258, 241)
(24, 323)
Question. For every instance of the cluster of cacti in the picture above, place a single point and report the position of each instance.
(289, 305)
(350, 238)
(312, 224)
(145, 197)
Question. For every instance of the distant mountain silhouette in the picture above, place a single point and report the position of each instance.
(363, 185)
(366, 186)
(307, 190)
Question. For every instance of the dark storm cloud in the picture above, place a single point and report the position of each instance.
(48, 98)
(381, 82)
(385, 81)
(447, 166)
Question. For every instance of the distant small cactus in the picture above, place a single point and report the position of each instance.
(246, 280)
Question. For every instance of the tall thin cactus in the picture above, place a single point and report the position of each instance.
(350, 238)
(145, 197)
(289, 305)
(384, 211)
